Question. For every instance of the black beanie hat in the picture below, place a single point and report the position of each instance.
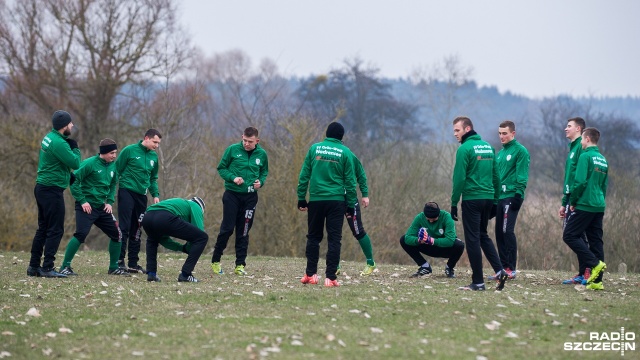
(60, 119)
(335, 130)
(431, 210)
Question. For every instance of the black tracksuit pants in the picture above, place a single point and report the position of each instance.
(331, 213)
(98, 217)
(567, 212)
(475, 219)
(130, 206)
(238, 210)
(161, 223)
(505, 234)
(452, 253)
(355, 223)
(51, 211)
(583, 222)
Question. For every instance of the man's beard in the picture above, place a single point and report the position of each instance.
(67, 132)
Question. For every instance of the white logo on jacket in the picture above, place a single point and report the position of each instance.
(257, 161)
(151, 162)
(508, 157)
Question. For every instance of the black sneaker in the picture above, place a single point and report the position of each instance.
(136, 269)
(154, 278)
(473, 287)
(190, 278)
(422, 271)
(67, 270)
(50, 273)
(118, 271)
(33, 271)
(502, 279)
(450, 272)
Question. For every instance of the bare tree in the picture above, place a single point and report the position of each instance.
(80, 54)
(244, 95)
(355, 95)
(440, 88)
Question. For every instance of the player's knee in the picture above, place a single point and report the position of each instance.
(80, 237)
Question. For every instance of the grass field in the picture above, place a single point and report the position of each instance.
(269, 314)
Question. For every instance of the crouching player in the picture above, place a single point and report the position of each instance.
(432, 233)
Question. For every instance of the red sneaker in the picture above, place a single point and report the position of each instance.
(312, 280)
(329, 283)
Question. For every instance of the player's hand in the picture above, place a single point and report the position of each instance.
(72, 143)
(238, 180)
(156, 200)
(256, 184)
(561, 212)
(108, 208)
(303, 205)
(365, 201)
(86, 207)
(424, 237)
(454, 213)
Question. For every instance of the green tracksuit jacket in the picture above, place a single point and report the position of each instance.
(513, 169)
(361, 176)
(95, 182)
(575, 150)
(327, 172)
(590, 186)
(186, 210)
(56, 160)
(236, 162)
(443, 230)
(137, 169)
(475, 175)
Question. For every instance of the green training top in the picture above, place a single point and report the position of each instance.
(475, 176)
(236, 162)
(56, 161)
(443, 230)
(513, 169)
(590, 186)
(575, 150)
(138, 169)
(186, 210)
(95, 182)
(327, 172)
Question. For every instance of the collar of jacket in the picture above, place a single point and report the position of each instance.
(333, 140)
(510, 143)
(467, 135)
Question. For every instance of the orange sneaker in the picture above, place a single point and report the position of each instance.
(306, 279)
(329, 283)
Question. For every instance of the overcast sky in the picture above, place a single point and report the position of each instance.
(534, 48)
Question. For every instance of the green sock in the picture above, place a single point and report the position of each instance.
(171, 244)
(114, 254)
(365, 244)
(70, 252)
